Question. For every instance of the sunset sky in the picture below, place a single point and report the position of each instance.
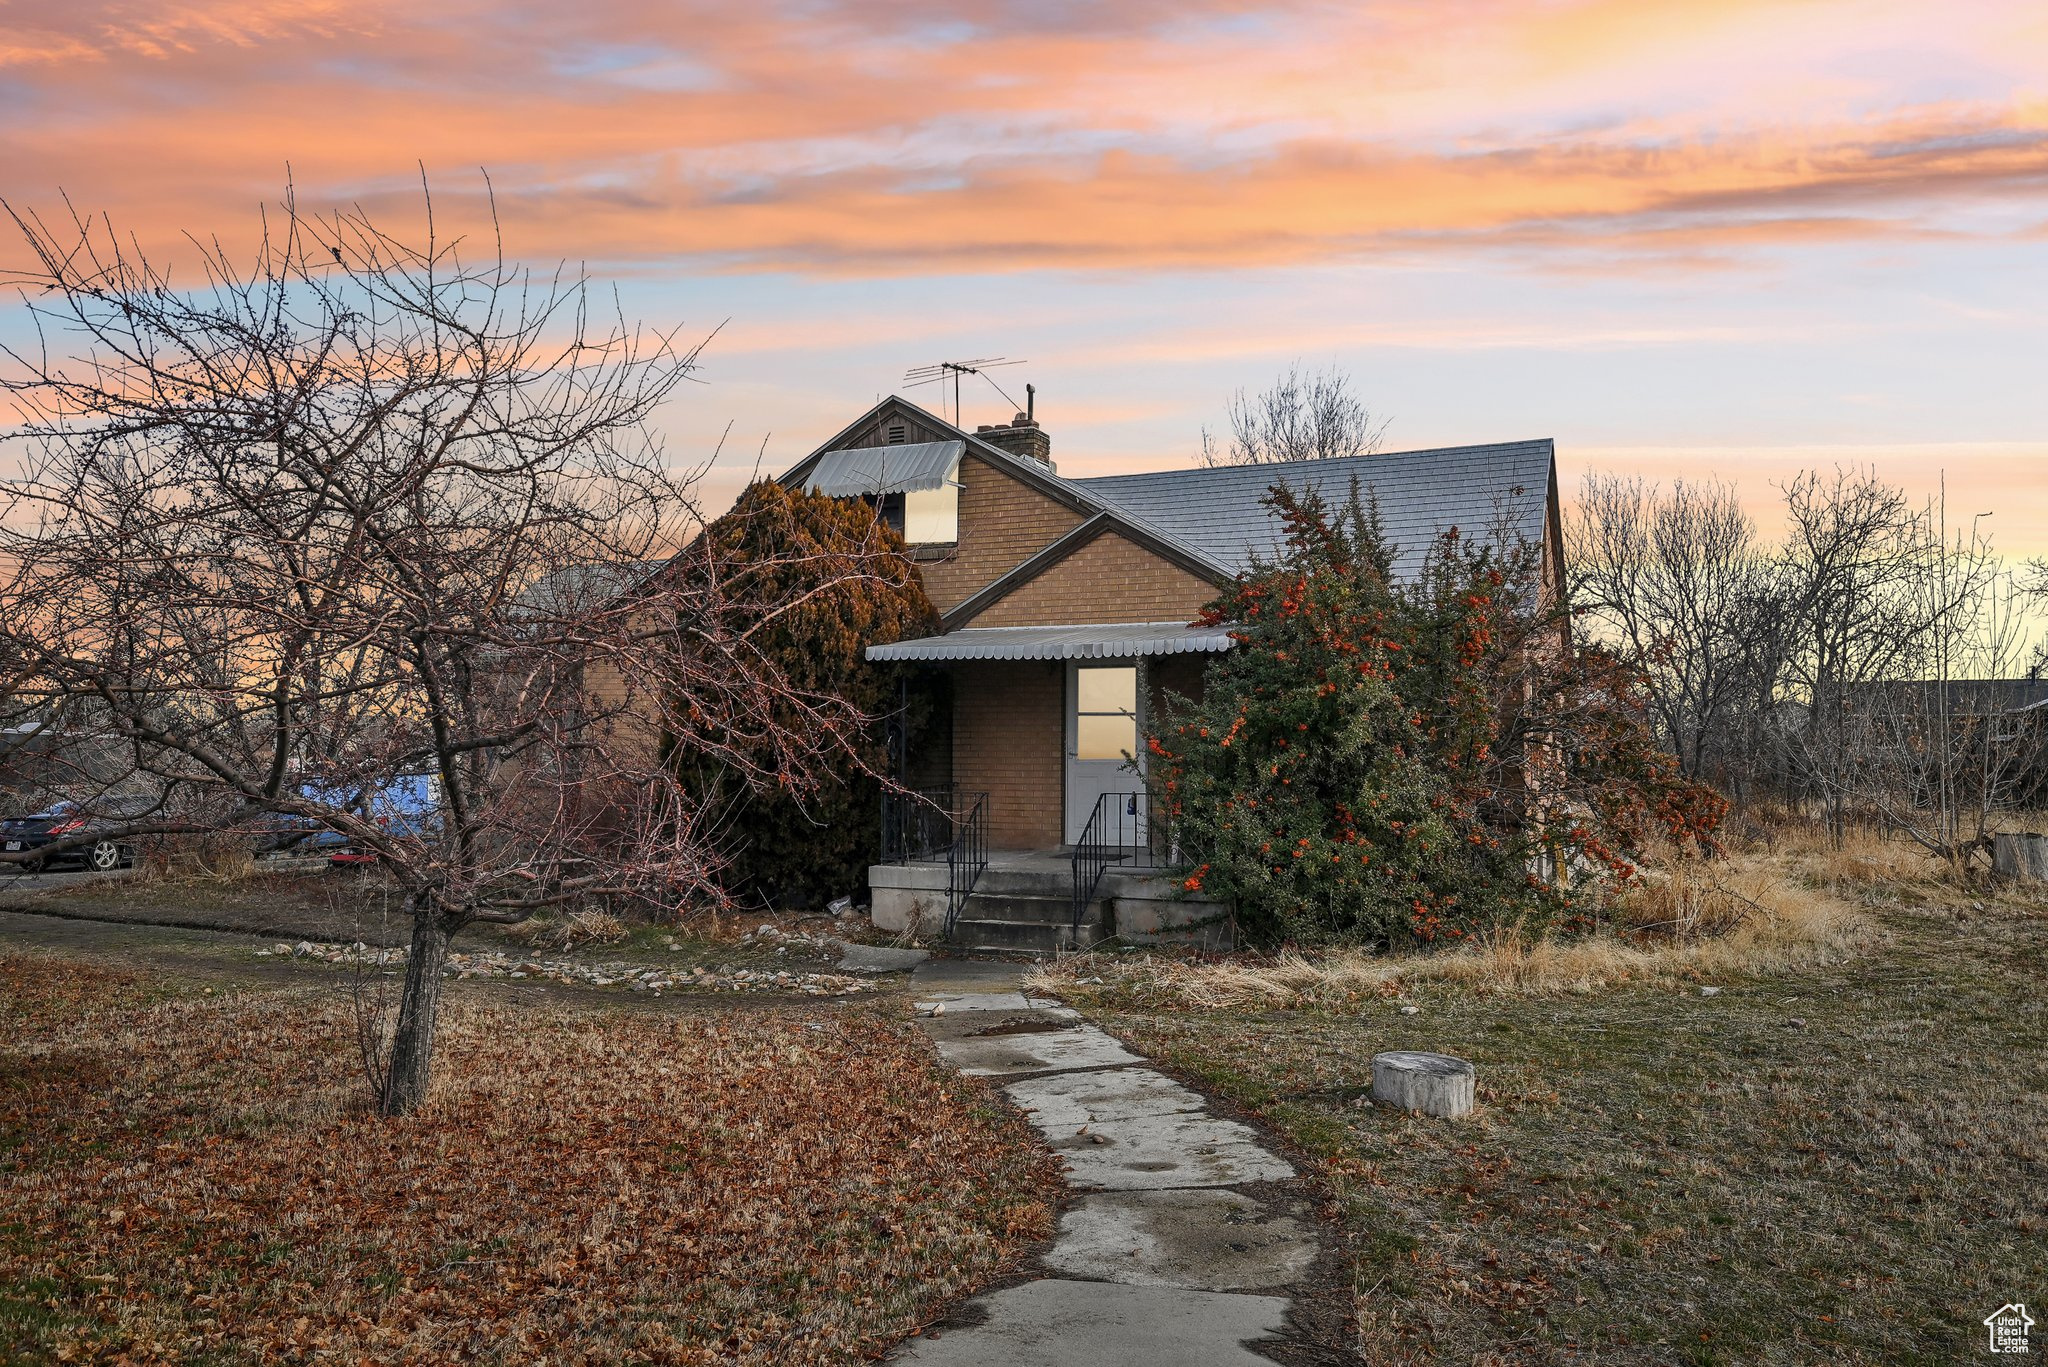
(1718, 237)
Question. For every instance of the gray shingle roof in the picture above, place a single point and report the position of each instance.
(580, 588)
(1481, 490)
(1966, 697)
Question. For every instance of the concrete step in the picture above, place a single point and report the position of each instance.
(1038, 937)
(983, 905)
(1042, 877)
(1032, 882)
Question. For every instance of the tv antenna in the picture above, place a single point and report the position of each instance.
(953, 370)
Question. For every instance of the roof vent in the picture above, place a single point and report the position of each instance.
(897, 434)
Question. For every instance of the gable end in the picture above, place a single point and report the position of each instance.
(1102, 571)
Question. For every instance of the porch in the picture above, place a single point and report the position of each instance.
(1119, 882)
(1029, 829)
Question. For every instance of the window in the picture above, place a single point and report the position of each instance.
(924, 517)
(932, 516)
(1105, 712)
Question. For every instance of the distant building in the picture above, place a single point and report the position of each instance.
(1995, 732)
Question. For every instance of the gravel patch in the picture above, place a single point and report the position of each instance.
(621, 976)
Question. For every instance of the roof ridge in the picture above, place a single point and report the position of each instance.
(1324, 462)
(1028, 470)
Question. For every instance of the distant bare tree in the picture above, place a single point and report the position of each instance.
(1860, 607)
(1683, 589)
(366, 511)
(1941, 747)
(1305, 415)
(2033, 583)
(1864, 667)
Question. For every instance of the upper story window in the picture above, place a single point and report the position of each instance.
(932, 516)
(916, 486)
(925, 517)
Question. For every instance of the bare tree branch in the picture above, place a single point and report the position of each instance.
(366, 511)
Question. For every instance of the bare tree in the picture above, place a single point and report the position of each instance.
(1865, 666)
(1861, 608)
(1940, 749)
(1683, 589)
(2033, 584)
(1305, 415)
(364, 513)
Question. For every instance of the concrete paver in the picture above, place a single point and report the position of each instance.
(1070, 1099)
(966, 975)
(858, 958)
(1081, 1046)
(1154, 1263)
(1059, 1323)
(1151, 1152)
(1203, 1240)
(956, 1002)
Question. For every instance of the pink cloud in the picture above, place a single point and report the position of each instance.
(897, 137)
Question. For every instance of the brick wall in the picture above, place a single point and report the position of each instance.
(1009, 736)
(1180, 674)
(1003, 523)
(1110, 579)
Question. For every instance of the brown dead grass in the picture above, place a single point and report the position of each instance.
(1833, 1161)
(1865, 858)
(572, 931)
(190, 1177)
(1693, 921)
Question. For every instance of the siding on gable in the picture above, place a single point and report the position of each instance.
(1111, 579)
(1003, 523)
(877, 432)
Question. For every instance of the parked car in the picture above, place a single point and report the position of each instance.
(66, 821)
(284, 835)
(408, 804)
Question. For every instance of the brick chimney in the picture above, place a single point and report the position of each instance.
(1023, 437)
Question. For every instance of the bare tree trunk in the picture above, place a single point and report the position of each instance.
(412, 1041)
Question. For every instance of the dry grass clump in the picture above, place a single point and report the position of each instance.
(196, 1179)
(211, 858)
(577, 928)
(1865, 858)
(1692, 921)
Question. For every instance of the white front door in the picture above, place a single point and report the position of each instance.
(1103, 721)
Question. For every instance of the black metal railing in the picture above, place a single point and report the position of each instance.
(945, 823)
(966, 858)
(917, 826)
(1119, 831)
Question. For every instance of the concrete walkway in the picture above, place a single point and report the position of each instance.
(1172, 1252)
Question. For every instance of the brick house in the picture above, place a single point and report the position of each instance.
(1065, 609)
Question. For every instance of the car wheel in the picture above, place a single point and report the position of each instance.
(103, 857)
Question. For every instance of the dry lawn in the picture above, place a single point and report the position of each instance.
(1693, 923)
(190, 1177)
(1837, 1157)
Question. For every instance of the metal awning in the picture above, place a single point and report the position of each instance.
(910, 468)
(1093, 641)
